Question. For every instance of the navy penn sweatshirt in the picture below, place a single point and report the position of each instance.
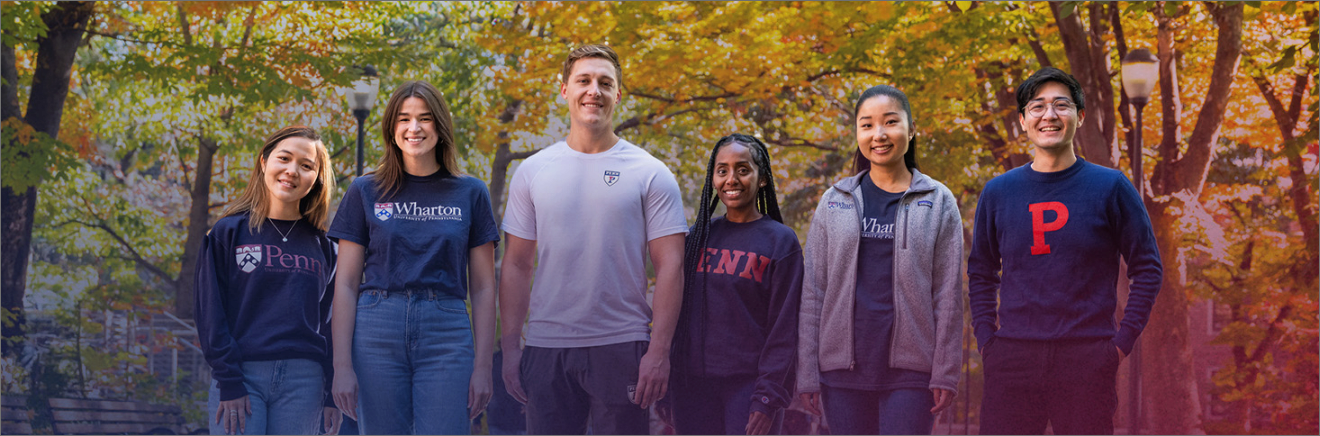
(260, 298)
(1047, 247)
(744, 320)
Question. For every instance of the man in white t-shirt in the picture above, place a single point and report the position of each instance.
(587, 211)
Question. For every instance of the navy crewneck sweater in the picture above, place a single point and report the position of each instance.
(261, 298)
(1047, 245)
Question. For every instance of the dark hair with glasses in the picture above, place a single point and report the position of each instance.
(1028, 88)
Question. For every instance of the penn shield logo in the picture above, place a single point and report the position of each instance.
(384, 211)
(248, 257)
(611, 177)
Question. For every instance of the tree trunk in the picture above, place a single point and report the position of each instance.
(65, 24)
(199, 215)
(1089, 62)
(1178, 177)
(499, 166)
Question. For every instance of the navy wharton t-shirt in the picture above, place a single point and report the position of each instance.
(419, 239)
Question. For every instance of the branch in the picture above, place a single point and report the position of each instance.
(136, 257)
(1192, 168)
(686, 100)
(516, 155)
(183, 23)
(1033, 39)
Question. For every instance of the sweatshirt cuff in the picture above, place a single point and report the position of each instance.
(762, 404)
(1126, 339)
(231, 390)
(983, 337)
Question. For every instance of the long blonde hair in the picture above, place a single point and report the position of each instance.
(389, 173)
(315, 206)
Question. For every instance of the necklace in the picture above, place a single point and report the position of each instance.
(284, 235)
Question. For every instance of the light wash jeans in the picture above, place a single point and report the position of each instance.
(412, 352)
(287, 397)
(896, 411)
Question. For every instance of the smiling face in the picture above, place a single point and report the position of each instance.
(883, 131)
(290, 170)
(415, 131)
(591, 90)
(736, 178)
(1051, 118)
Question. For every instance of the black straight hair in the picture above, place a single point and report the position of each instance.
(860, 163)
(1028, 88)
(694, 247)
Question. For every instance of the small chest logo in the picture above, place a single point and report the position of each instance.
(926, 203)
(611, 177)
(839, 205)
(384, 211)
(248, 256)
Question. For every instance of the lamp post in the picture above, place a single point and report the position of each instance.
(361, 98)
(1140, 74)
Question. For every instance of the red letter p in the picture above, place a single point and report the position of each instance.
(1039, 226)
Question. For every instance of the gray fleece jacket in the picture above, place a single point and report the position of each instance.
(928, 310)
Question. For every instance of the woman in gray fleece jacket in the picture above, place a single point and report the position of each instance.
(880, 325)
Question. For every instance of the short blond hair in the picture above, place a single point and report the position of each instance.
(600, 51)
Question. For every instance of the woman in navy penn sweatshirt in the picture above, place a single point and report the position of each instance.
(737, 334)
(263, 295)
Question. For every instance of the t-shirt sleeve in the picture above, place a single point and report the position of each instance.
(519, 213)
(350, 224)
(664, 206)
(483, 228)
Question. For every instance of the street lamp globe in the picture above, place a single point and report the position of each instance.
(1140, 74)
(361, 98)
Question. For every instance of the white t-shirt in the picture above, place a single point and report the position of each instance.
(591, 216)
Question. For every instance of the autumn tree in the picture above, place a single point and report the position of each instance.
(54, 32)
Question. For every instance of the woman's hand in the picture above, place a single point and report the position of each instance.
(479, 392)
(345, 390)
(333, 417)
(233, 414)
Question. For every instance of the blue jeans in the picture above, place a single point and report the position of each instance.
(412, 352)
(712, 405)
(287, 397)
(896, 411)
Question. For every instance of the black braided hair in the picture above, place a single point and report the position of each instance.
(695, 245)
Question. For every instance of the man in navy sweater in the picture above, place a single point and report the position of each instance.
(1047, 242)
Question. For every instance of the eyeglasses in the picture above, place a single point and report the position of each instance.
(1037, 109)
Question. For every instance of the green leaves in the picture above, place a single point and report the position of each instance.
(31, 156)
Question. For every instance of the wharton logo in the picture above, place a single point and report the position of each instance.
(248, 256)
(839, 205)
(413, 212)
(611, 177)
(384, 211)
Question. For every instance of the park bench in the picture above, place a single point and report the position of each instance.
(73, 416)
(15, 418)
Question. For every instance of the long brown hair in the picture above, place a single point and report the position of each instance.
(389, 173)
(315, 206)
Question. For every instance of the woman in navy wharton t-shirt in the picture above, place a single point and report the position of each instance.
(405, 360)
(263, 295)
(881, 320)
(737, 336)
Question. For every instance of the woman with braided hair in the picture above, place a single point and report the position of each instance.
(737, 333)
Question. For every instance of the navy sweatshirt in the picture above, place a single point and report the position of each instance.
(1048, 246)
(260, 298)
(744, 322)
